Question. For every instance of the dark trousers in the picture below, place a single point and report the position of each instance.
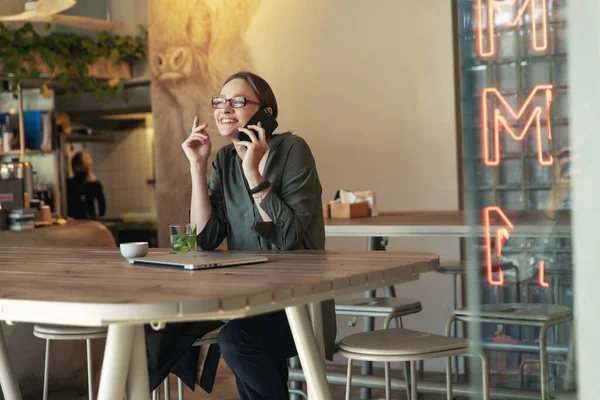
(256, 350)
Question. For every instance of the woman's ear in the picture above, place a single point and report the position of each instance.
(269, 110)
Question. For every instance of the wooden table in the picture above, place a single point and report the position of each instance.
(446, 224)
(97, 287)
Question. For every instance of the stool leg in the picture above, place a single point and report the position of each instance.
(46, 368)
(543, 363)
(349, 379)
(167, 386)
(180, 389)
(295, 363)
(484, 375)
(455, 327)
(407, 378)
(90, 369)
(367, 366)
(400, 322)
(413, 380)
(448, 378)
(388, 383)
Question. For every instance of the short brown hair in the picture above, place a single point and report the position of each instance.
(80, 162)
(260, 87)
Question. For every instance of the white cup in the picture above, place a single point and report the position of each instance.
(134, 249)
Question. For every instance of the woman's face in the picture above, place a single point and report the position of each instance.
(228, 119)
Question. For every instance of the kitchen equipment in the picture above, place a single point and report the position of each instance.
(3, 218)
(12, 193)
(18, 170)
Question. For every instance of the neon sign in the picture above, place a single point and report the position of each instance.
(542, 274)
(537, 16)
(498, 116)
(500, 122)
(501, 236)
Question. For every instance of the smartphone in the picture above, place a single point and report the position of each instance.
(268, 123)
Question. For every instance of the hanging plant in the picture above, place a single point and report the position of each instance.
(67, 58)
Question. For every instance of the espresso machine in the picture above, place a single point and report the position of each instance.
(16, 184)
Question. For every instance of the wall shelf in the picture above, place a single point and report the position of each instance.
(90, 138)
(27, 152)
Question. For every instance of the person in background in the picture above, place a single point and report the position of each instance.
(84, 191)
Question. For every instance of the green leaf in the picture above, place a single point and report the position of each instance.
(63, 78)
(25, 41)
(182, 239)
(114, 55)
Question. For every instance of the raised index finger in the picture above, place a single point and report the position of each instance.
(195, 125)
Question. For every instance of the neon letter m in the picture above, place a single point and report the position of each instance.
(501, 117)
(537, 12)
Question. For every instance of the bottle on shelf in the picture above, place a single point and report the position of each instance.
(7, 135)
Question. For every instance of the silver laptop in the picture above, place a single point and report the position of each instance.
(198, 260)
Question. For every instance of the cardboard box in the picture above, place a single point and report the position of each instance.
(346, 210)
(326, 213)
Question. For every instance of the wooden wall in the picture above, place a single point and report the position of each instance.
(194, 45)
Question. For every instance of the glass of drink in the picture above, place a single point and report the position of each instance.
(183, 238)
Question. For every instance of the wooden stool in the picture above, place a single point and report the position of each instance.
(55, 332)
(390, 345)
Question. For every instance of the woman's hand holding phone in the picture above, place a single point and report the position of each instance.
(197, 146)
(253, 151)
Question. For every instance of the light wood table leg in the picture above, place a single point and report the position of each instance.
(137, 380)
(311, 359)
(8, 381)
(117, 356)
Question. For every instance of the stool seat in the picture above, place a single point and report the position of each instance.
(65, 332)
(400, 342)
(389, 345)
(459, 267)
(516, 312)
(377, 306)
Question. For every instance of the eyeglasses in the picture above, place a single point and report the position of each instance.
(236, 102)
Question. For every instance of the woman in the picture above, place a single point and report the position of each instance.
(84, 190)
(262, 195)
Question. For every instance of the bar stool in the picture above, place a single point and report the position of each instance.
(456, 269)
(384, 307)
(55, 332)
(390, 308)
(390, 345)
(540, 315)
